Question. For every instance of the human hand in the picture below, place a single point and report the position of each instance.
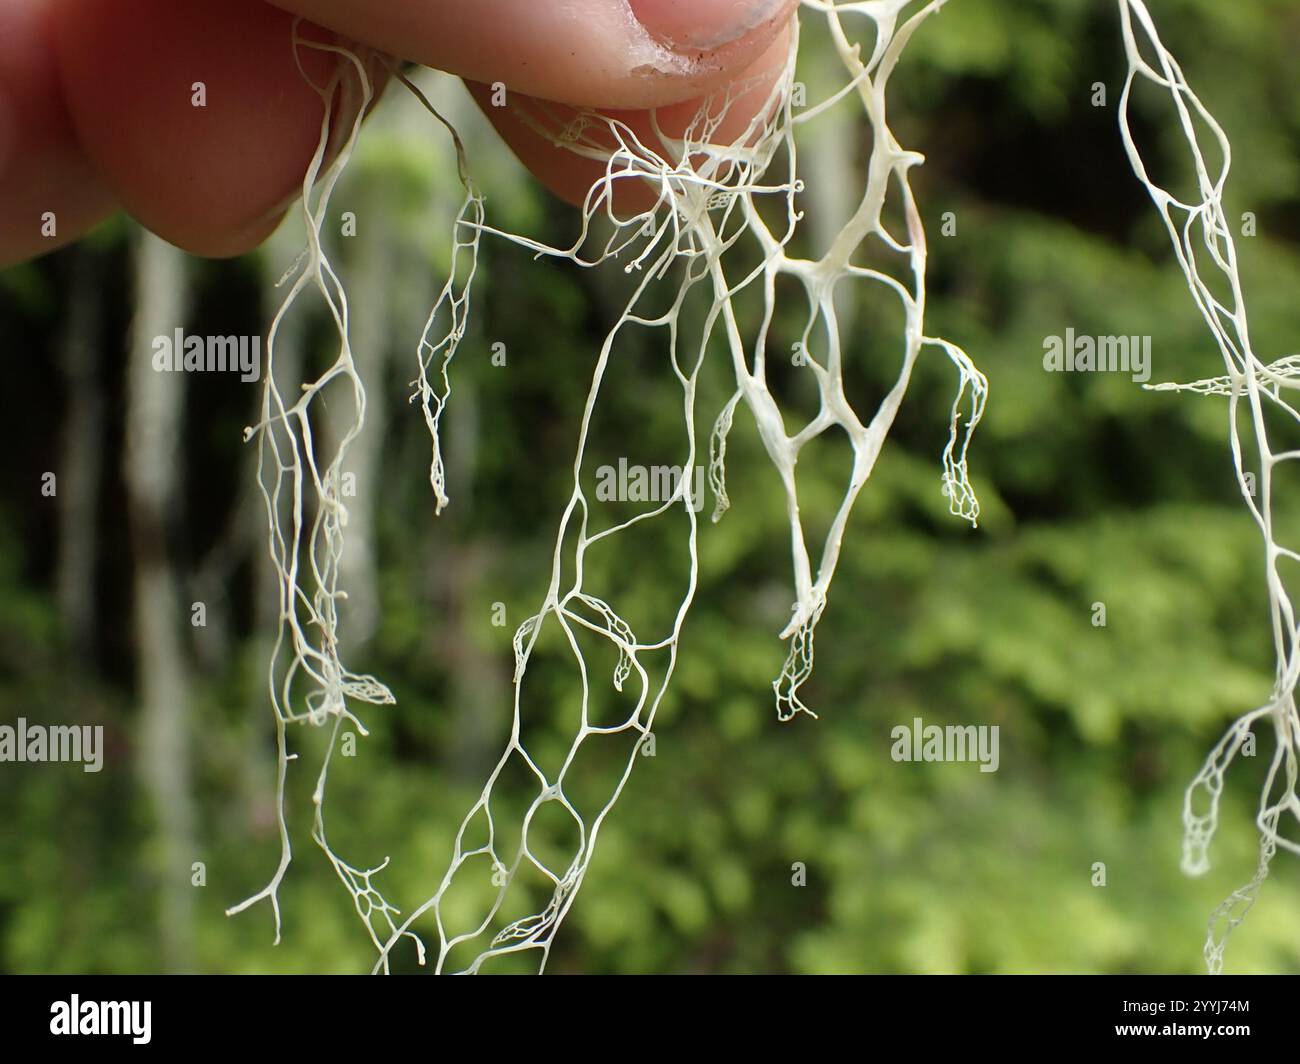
(96, 108)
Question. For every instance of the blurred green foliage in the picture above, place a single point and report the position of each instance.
(1093, 490)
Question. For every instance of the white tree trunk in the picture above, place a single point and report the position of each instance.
(155, 403)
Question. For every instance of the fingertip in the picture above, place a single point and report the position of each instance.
(195, 115)
(587, 53)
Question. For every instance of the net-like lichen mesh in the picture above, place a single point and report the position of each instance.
(707, 204)
(716, 202)
(1203, 241)
(721, 227)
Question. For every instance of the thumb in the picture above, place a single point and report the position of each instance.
(595, 53)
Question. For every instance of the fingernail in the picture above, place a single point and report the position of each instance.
(702, 25)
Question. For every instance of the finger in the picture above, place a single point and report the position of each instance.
(48, 188)
(571, 176)
(213, 179)
(592, 53)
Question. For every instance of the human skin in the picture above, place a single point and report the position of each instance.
(96, 112)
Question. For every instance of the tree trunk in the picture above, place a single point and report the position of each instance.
(155, 401)
(81, 464)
